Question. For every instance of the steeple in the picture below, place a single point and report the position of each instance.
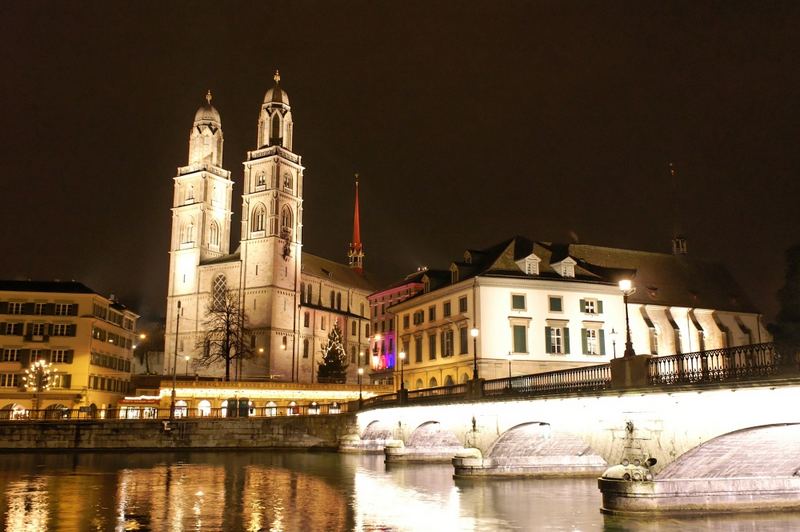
(275, 122)
(356, 254)
(205, 137)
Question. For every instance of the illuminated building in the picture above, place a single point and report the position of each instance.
(86, 337)
(541, 306)
(291, 297)
(383, 346)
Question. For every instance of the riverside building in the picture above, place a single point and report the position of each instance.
(87, 339)
(539, 306)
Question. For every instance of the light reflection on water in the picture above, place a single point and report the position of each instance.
(266, 491)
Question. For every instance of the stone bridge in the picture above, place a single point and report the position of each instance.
(582, 431)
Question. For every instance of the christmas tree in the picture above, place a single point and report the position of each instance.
(333, 367)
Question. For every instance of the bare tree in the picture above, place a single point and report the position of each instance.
(225, 337)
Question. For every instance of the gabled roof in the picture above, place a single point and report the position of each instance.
(660, 279)
(340, 273)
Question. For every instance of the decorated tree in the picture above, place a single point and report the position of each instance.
(225, 337)
(333, 367)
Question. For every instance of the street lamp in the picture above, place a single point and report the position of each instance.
(613, 336)
(402, 356)
(474, 333)
(175, 365)
(360, 373)
(187, 358)
(627, 289)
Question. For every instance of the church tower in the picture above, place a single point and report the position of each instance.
(272, 213)
(201, 219)
(355, 255)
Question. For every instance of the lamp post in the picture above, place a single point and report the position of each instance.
(613, 335)
(509, 368)
(360, 373)
(474, 333)
(187, 358)
(627, 289)
(402, 356)
(175, 365)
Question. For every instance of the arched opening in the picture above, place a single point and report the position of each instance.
(432, 435)
(464, 378)
(339, 301)
(187, 231)
(313, 409)
(12, 411)
(189, 196)
(286, 221)
(57, 411)
(333, 299)
(419, 384)
(377, 431)
(271, 409)
(433, 383)
(334, 409)
(259, 218)
(181, 408)
(275, 135)
(448, 381)
(204, 408)
(213, 234)
(292, 409)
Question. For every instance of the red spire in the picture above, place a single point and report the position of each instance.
(356, 253)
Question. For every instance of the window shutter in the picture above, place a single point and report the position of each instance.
(71, 329)
(66, 380)
(599, 306)
(48, 329)
(29, 331)
(602, 335)
(46, 355)
(583, 305)
(566, 340)
(27, 308)
(25, 357)
(18, 329)
(548, 342)
(50, 308)
(583, 342)
(3, 307)
(2, 328)
(68, 355)
(73, 309)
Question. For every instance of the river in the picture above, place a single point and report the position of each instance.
(293, 491)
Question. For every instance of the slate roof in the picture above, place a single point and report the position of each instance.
(660, 278)
(63, 287)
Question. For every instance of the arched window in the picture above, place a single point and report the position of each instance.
(353, 328)
(286, 220)
(418, 384)
(189, 196)
(308, 295)
(213, 234)
(218, 290)
(187, 231)
(261, 180)
(204, 408)
(432, 383)
(181, 408)
(333, 299)
(271, 409)
(287, 180)
(259, 218)
(302, 292)
(305, 348)
(339, 301)
(276, 127)
(448, 381)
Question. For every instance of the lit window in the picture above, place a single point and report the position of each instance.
(259, 218)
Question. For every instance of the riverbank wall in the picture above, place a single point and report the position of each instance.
(288, 432)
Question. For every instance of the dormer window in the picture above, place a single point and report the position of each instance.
(530, 264)
(453, 274)
(426, 284)
(468, 257)
(565, 268)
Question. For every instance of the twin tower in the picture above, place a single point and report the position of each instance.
(266, 270)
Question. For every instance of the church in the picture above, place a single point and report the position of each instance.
(291, 298)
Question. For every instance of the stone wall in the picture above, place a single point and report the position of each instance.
(292, 432)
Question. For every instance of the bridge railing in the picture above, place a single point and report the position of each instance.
(378, 400)
(453, 391)
(733, 363)
(588, 378)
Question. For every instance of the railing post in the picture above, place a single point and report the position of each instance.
(630, 372)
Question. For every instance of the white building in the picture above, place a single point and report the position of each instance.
(292, 298)
(541, 307)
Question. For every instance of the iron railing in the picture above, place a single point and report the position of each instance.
(425, 394)
(715, 365)
(583, 379)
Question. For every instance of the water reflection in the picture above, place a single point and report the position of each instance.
(262, 491)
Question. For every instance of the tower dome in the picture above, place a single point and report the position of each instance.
(276, 94)
(207, 113)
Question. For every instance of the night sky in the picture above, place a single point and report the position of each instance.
(469, 122)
